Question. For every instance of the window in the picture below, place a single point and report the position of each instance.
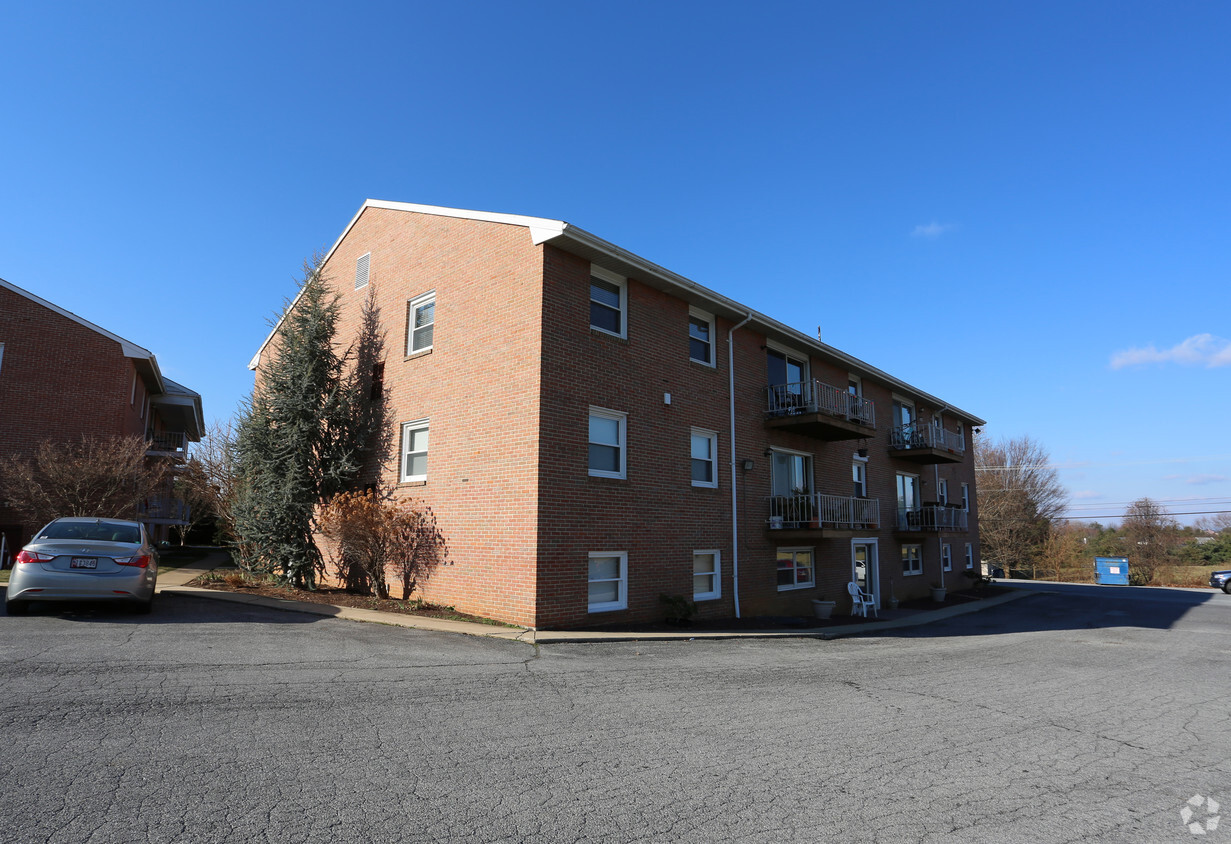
(966, 497)
(421, 323)
(608, 301)
(908, 500)
(704, 458)
(608, 581)
(859, 474)
(706, 576)
(377, 389)
(854, 385)
(791, 473)
(970, 556)
(794, 568)
(700, 336)
(912, 560)
(361, 270)
(905, 433)
(946, 557)
(789, 390)
(2, 360)
(414, 451)
(608, 429)
(942, 491)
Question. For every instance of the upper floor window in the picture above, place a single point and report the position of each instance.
(966, 497)
(704, 458)
(377, 389)
(361, 270)
(942, 491)
(421, 323)
(700, 336)
(854, 385)
(608, 431)
(608, 301)
(859, 473)
(414, 451)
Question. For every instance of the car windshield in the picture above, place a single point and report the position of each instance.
(91, 532)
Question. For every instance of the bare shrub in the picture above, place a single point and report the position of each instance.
(368, 540)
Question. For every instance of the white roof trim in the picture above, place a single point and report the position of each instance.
(131, 350)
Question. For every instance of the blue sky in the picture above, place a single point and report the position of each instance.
(1029, 201)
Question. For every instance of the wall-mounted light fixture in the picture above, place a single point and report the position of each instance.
(748, 464)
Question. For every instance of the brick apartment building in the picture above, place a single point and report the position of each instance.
(62, 378)
(594, 431)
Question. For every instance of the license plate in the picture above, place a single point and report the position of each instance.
(83, 563)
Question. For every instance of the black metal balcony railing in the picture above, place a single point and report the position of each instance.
(164, 510)
(167, 442)
(927, 436)
(933, 517)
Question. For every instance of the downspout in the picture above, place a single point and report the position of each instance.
(734, 497)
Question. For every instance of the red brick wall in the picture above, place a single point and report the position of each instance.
(58, 381)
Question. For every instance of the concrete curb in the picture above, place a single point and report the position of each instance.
(540, 637)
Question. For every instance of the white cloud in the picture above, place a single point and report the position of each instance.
(1199, 350)
(932, 229)
(1086, 495)
(1200, 480)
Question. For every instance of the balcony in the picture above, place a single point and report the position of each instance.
(819, 410)
(927, 444)
(167, 443)
(936, 518)
(814, 515)
(163, 510)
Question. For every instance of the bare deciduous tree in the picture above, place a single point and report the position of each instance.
(107, 477)
(1151, 533)
(1020, 496)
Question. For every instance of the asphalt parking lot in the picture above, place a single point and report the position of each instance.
(1060, 717)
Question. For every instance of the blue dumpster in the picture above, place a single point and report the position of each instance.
(1111, 571)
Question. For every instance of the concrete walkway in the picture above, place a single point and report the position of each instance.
(176, 582)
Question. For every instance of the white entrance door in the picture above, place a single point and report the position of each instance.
(864, 568)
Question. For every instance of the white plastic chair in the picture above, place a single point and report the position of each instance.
(862, 601)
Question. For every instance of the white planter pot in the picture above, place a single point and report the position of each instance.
(938, 594)
(823, 609)
(775, 523)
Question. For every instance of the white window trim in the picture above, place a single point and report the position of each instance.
(620, 603)
(132, 400)
(966, 497)
(918, 557)
(860, 464)
(708, 318)
(363, 270)
(946, 557)
(717, 575)
(857, 381)
(412, 306)
(712, 436)
(621, 282)
(810, 584)
(621, 418)
(970, 556)
(942, 491)
(407, 427)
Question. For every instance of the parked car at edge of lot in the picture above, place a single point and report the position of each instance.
(85, 559)
(1221, 580)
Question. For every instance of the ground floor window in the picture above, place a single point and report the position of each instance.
(946, 557)
(608, 581)
(794, 568)
(912, 559)
(970, 556)
(706, 583)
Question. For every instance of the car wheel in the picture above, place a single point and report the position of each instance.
(1226, 587)
(15, 607)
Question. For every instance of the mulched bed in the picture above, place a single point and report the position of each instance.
(234, 582)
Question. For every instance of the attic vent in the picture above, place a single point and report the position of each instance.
(361, 270)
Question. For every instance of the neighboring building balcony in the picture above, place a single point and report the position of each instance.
(819, 515)
(163, 510)
(167, 443)
(927, 444)
(938, 518)
(819, 410)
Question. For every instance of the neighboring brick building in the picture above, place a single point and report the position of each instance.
(581, 410)
(62, 378)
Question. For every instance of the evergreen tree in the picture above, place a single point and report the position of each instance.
(299, 437)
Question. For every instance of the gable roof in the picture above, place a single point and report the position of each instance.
(582, 243)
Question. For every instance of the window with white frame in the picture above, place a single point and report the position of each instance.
(794, 568)
(859, 474)
(946, 557)
(970, 556)
(608, 301)
(942, 492)
(854, 385)
(608, 581)
(361, 270)
(700, 336)
(421, 323)
(912, 560)
(414, 451)
(966, 497)
(908, 500)
(608, 432)
(704, 458)
(706, 575)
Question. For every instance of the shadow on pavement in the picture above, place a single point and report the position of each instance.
(171, 608)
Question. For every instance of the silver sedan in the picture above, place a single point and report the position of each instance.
(82, 559)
